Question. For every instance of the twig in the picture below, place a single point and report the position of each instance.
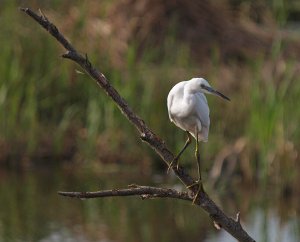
(144, 191)
(230, 225)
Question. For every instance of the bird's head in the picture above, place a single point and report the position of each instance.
(202, 85)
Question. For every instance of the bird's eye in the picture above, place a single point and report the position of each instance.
(202, 85)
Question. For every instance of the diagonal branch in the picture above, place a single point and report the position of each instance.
(143, 191)
(230, 225)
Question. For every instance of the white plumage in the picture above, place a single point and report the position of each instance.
(188, 109)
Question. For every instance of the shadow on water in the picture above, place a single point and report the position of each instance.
(31, 210)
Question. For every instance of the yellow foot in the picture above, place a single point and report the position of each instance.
(173, 164)
(197, 194)
(196, 183)
(200, 188)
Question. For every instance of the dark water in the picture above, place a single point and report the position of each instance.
(31, 210)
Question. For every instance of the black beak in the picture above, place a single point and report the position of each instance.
(221, 95)
(217, 93)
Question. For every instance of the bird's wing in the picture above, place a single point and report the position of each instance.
(176, 92)
(202, 109)
(169, 104)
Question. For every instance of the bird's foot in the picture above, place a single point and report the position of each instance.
(174, 163)
(200, 189)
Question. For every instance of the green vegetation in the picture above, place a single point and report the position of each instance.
(50, 112)
(49, 108)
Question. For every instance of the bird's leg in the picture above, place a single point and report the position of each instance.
(199, 181)
(175, 160)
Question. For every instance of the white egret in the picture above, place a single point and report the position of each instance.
(188, 110)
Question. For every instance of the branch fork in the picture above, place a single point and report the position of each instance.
(232, 226)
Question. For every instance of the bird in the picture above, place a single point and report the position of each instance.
(188, 109)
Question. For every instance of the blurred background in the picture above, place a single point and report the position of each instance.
(59, 131)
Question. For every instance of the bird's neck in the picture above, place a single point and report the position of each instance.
(191, 88)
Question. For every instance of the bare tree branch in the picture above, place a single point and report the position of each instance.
(143, 191)
(230, 225)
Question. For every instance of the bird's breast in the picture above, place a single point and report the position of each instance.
(182, 108)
